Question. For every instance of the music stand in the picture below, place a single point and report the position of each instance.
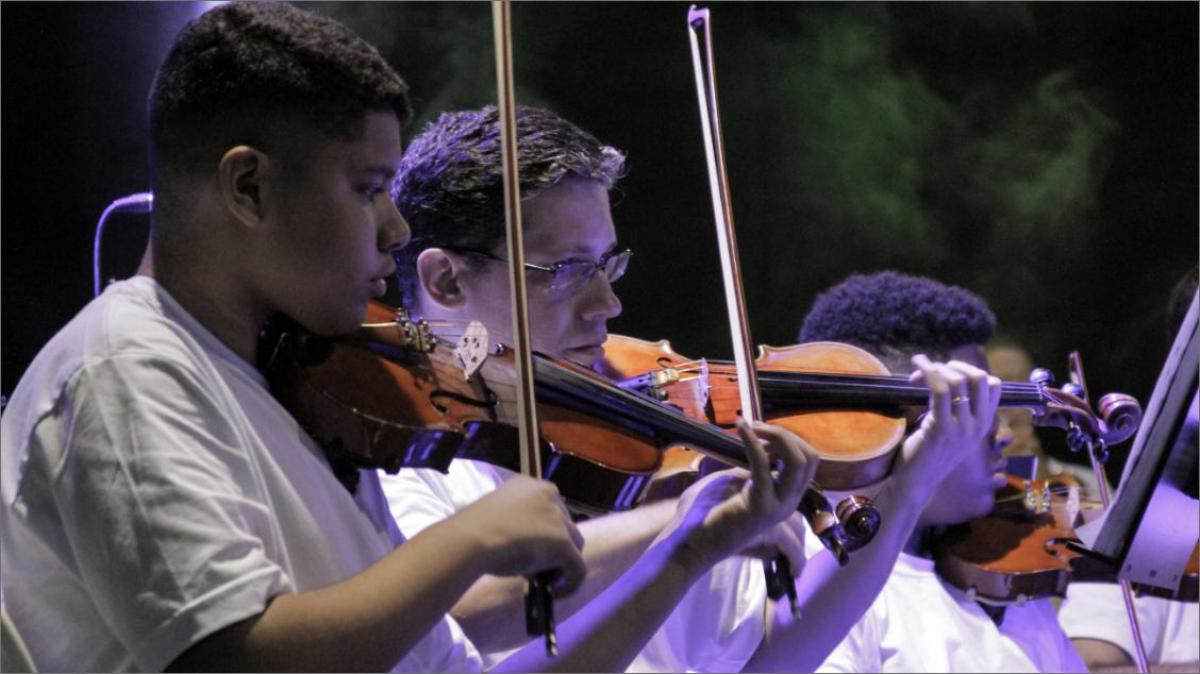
(1152, 527)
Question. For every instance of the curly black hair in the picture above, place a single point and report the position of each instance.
(450, 184)
(237, 73)
(895, 315)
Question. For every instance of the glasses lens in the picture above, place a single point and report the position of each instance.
(569, 276)
(614, 266)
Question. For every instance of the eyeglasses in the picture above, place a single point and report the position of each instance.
(569, 276)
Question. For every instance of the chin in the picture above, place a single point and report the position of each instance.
(980, 506)
(333, 325)
(977, 504)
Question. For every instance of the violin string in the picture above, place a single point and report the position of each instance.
(1054, 491)
(451, 330)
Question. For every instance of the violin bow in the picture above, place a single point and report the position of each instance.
(778, 572)
(1097, 453)
(539, 601)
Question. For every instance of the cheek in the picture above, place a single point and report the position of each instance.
(489, 303)
(551, 323)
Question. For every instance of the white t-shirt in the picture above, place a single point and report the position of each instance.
(154, 492)
(716, 627)
(1170, 629)
(919, 624)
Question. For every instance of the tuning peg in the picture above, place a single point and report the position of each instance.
(1074, 389)
(1075, 438)
(1042, 376)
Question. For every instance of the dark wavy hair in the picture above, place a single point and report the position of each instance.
(450, 184)
(894, 316)
(249, 72)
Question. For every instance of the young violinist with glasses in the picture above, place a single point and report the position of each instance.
(919, 623)
(448, 189)
(161, 510)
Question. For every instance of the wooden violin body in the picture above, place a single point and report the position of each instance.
(1017, 553)
(855, 445)
(1027, 548)
(392, 395)
(840, 399)
(387, 397)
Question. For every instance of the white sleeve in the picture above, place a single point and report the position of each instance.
(166, 540)
(1049, 647)
(1097, 611)
(417, 499)
(716, 627)
(859, 650)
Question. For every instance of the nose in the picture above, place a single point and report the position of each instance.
(599, 302)
(394, 231)
(1002, 437)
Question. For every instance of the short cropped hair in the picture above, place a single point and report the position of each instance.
(450, 184)
(894, 316)
(238, 73)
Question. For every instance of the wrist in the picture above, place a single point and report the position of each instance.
(690, 550)
(481, 553)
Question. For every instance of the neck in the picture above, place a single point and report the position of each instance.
(919, 540)
(211, 292)
(915, 544)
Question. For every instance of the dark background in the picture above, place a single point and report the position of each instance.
(1043, 155)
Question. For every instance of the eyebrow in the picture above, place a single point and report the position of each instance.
(582, 250)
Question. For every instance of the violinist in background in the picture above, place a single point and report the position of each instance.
(449, 190)
(1010, 362)
(1093, 614)
(919, 623)
(161, 510)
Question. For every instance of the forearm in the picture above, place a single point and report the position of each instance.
(1166, 668)
(365, 623)
(492, 611)
(609, 632)
(833, 598)
(1104, 656)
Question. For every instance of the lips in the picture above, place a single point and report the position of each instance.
(378, 283)
(586, 354)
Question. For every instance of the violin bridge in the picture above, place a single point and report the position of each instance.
(1031, 500)
(472, 349)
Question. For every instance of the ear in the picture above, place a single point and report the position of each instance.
(440, 278)
(240, 176)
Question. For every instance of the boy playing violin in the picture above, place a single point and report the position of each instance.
(161, 509)
(919, 623)
(452, 271)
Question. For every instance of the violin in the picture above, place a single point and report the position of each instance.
(392, 394)
(1023, 549)
(842, 400)
(1026, 548)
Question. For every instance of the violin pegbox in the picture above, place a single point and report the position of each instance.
(471, 350)
(1068, 408)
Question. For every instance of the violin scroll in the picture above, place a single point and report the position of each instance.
(1122, 414)
(1067, 408)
